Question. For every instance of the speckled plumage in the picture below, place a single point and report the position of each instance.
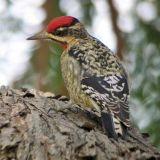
(95, 78)
(93, 75)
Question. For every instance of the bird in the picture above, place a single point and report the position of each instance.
(93, 75)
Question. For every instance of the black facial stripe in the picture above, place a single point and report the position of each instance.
(61, 32)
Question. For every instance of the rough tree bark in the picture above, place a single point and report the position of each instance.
(35, 125)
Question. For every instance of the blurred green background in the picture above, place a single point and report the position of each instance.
(131, 28)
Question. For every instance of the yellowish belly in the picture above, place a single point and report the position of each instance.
(71, 74)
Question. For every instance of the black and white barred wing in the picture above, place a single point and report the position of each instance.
(110, 93)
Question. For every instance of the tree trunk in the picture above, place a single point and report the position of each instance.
(36, 125)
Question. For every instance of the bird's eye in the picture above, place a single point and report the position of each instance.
(60, 31)
(57, 32)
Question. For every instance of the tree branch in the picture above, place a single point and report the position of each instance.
(117, 31)
(35, 125)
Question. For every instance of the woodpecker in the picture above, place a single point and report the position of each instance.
(93, 74)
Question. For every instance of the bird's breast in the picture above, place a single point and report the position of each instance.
(72, 74)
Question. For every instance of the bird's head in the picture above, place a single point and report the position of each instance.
(62, 29)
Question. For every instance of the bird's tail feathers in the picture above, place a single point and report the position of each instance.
(112, 126)
(108, 125)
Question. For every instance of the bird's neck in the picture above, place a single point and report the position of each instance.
(69, 43)
(63, 45)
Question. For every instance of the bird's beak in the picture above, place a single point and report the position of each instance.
(39, 36)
